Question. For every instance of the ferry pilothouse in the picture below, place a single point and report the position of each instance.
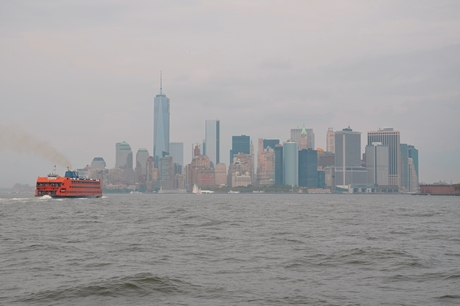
(68, 186)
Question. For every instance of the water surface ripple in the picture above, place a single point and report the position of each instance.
(230, 250)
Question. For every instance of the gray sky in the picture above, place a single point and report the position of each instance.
(80, 76)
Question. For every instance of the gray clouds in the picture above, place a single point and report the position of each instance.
(261, 67)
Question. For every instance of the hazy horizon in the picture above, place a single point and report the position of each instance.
(78, 77)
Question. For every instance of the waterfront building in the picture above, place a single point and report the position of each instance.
(212, 141)
(348, 170)
(377, 164)
(439, 189)
(240, 144)
(308, 168)
(330, 140)
(160, 125)
(291, 163)
(391, 138)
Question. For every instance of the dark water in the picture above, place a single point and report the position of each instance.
(230, 250)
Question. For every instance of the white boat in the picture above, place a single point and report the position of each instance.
(196, 189)
(233, 191)
(207, 191)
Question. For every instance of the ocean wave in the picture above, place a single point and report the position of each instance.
(137, 285)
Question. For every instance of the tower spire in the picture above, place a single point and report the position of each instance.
(161, 82)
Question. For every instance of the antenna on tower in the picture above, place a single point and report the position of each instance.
(161, 82)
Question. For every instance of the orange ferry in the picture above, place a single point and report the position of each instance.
(69, 186)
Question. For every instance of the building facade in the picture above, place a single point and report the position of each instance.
(265, 165)
(391, 138)
(296, 134)
(123, 155)
(212, 141)
(308, 168)
(291, 163)
(377, 164)
(330, 140)
(240, 144)
(279, 172)
(348, 170)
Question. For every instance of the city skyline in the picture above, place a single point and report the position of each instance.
(81, 77)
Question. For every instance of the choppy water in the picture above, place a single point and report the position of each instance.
(230, 250)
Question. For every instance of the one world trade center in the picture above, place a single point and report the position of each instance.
(160, 125)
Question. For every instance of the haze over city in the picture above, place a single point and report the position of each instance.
(78, 77)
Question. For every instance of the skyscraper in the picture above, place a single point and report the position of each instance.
(413, 153)
(348, 168)
(391, 138)
(123, 156)
(265, 164)
(240, 144)
(98, 163)
(279, 173)
(377, 162)
(160, 125)
(330, 140)
(308, 168)
(296, 133)
(140, 171)
(212, 141)
(409, 160)
(291, 163)
(141, 161)
(124, 160)
(303, 142)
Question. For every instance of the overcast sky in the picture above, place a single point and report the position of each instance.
(79, 76)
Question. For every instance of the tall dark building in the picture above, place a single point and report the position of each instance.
(240, 144)
(271, 143)
(308, 168)
(279, 171)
